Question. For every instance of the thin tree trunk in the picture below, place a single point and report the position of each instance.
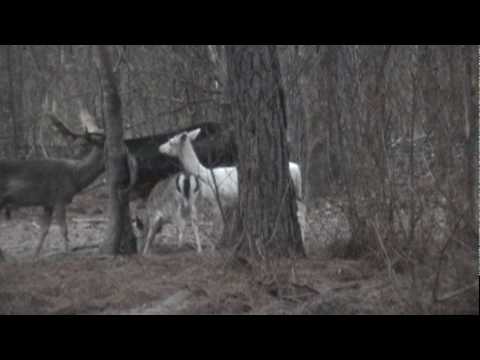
(120, 239)
(11, 96)
(471, 134)
(265, 224)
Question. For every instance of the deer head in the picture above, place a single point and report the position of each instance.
(91, 133)
(174, 146)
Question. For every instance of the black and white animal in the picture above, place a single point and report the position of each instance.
(215, 147)
(173, 201)
(223, 180)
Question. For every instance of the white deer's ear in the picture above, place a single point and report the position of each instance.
(192, 135)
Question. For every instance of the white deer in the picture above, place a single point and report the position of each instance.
(221, 179)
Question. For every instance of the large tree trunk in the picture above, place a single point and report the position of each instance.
(120, 239)
(265, 224)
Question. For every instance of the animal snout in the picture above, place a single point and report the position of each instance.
(164, 149)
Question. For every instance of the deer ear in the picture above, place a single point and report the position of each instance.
(192, 135)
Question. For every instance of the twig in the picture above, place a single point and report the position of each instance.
(391, 272)
(85, 247)
(351, 285)
(436, 284)
(457, 292)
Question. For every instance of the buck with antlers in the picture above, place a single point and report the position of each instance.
(52, 184)
(215, 146)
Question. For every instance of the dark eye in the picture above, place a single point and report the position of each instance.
(183, 138)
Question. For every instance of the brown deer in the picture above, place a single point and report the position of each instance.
(51, 184)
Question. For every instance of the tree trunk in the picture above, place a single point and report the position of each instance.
(265, 224)
(120, 239)
(12, 97)
(471, 134)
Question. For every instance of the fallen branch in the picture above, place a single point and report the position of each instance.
(85, 247)
(354, 285)
(90, 220)
(458, 292)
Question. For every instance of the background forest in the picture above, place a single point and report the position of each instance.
(386, 137)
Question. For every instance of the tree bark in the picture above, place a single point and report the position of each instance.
(471, 134)
(265, 224)
(12, 97)
(120, 239)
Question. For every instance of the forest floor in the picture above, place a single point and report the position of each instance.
(173, 280)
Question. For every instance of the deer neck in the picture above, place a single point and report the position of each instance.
(191, 163)
(89, 168)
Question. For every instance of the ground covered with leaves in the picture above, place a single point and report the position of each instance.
(173, 280)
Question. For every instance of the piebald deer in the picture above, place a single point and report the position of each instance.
(51, 184)
(221, 179)
(173, 201)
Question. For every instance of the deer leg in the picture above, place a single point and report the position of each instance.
(140, 226)
(180, 224)
(45, 221)
(301, 215)
(194, 220)
(153, 229)
(61, 219)
(181, 229)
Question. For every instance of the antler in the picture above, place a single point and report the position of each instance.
(89, 122)
(61, 127)
(49, 108)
